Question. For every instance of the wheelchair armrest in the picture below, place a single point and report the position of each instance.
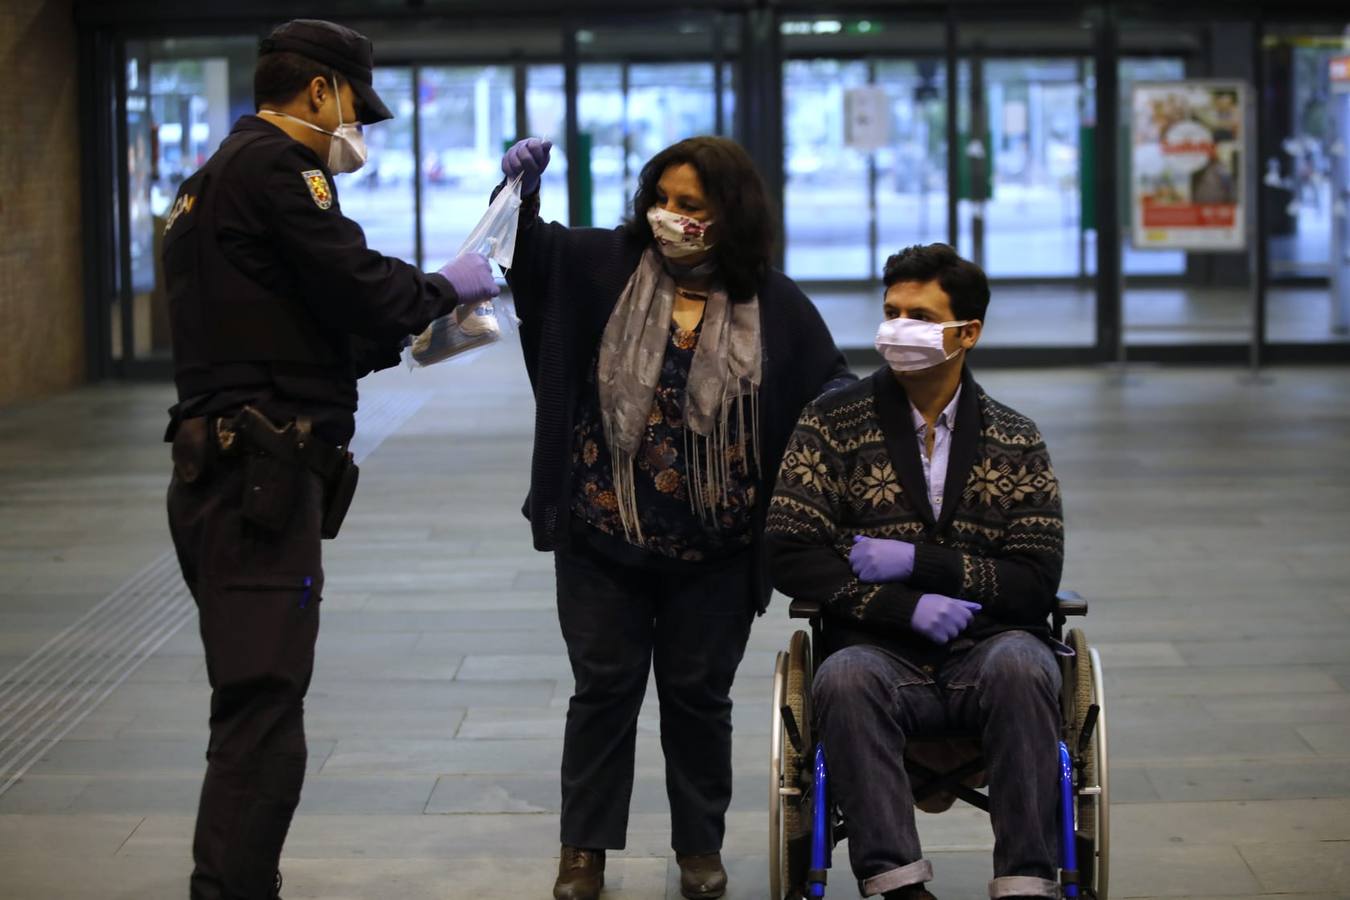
(1070, 603)
(804, 609)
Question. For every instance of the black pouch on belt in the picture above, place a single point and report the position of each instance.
(338, 493)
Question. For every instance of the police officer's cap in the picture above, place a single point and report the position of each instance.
(347, 51)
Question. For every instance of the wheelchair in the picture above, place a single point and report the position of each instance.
(805, 826)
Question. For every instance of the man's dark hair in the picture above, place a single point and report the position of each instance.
(736, 196)
(281, 75)
(963, 281)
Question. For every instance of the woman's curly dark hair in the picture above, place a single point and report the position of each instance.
(738, 199)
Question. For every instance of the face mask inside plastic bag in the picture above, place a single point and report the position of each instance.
(472, 327)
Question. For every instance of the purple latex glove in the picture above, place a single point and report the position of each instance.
(470, 274)
(528, 158)
(878, 559)
(940, 618)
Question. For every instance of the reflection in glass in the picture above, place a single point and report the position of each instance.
(182, 97)
(379, 195)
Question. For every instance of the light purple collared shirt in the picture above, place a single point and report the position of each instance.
(935, 469)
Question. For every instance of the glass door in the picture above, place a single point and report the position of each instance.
(1034, 132)
(178, 98)
(862, 182)
(467, 119)
(381, 195)
(629, 112)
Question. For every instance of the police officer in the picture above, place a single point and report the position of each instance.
(277, 307)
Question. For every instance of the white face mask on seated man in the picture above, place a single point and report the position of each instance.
(911, 345)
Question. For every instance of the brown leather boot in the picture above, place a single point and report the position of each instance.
(581, 874)
(702, 877)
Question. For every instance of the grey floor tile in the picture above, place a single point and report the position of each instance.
(1175, 871)
(1298, 709)
(69, 875)
(1250, 780)
(1228, 680)
(372, 756)
(1166, 824)
(36, 794)
(95, 836)
(1204, 740)
(1329, 739)
(1304, 866)
(141, 757)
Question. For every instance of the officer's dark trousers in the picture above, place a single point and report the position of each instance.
(259, 623)
(620, 622)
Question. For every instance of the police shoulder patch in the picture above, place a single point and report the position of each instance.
(318, 188)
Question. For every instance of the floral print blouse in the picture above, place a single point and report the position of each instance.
(669, 525)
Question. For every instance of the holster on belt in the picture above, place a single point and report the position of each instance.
(276, 457)
(192, 450)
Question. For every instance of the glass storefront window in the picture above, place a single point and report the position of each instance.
(848, 207)
(628, 112)
(825, 199)
(380, 195)
(468, 119)
(546, 110)
(1035, 126)
(1306, 182)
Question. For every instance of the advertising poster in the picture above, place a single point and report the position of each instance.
(1188, 161)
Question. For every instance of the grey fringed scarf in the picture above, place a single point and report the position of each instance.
(724, 379)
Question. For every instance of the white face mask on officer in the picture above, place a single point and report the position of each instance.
(911, 345)
(347, 152)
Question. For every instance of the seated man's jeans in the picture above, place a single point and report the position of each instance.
(1006, 690)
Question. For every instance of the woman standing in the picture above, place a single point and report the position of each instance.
(669, 364)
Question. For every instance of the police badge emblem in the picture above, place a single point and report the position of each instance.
(318, 188)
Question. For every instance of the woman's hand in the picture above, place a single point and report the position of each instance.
(527, 158)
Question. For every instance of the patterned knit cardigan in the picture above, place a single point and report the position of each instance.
(853, 467)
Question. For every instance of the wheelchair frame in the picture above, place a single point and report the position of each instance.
(800, 853)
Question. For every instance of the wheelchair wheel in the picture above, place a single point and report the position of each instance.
(1094, 796)
(790, 771)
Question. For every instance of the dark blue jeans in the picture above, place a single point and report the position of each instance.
(1006, 691)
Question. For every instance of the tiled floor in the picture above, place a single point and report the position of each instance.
(1207, 522)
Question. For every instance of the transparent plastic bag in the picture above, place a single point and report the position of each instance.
(473, 327)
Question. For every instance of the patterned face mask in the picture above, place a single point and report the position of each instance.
(910, 345)
(678, 236)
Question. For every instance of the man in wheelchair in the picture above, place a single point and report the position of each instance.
(925, 518)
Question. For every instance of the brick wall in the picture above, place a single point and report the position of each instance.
(41, 301)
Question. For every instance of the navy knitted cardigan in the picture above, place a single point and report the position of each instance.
(566, 282)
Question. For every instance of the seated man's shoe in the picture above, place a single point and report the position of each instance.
(702, 877)
(581, 874)
(909, 892)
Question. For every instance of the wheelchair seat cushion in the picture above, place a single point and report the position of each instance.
(942, 755)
